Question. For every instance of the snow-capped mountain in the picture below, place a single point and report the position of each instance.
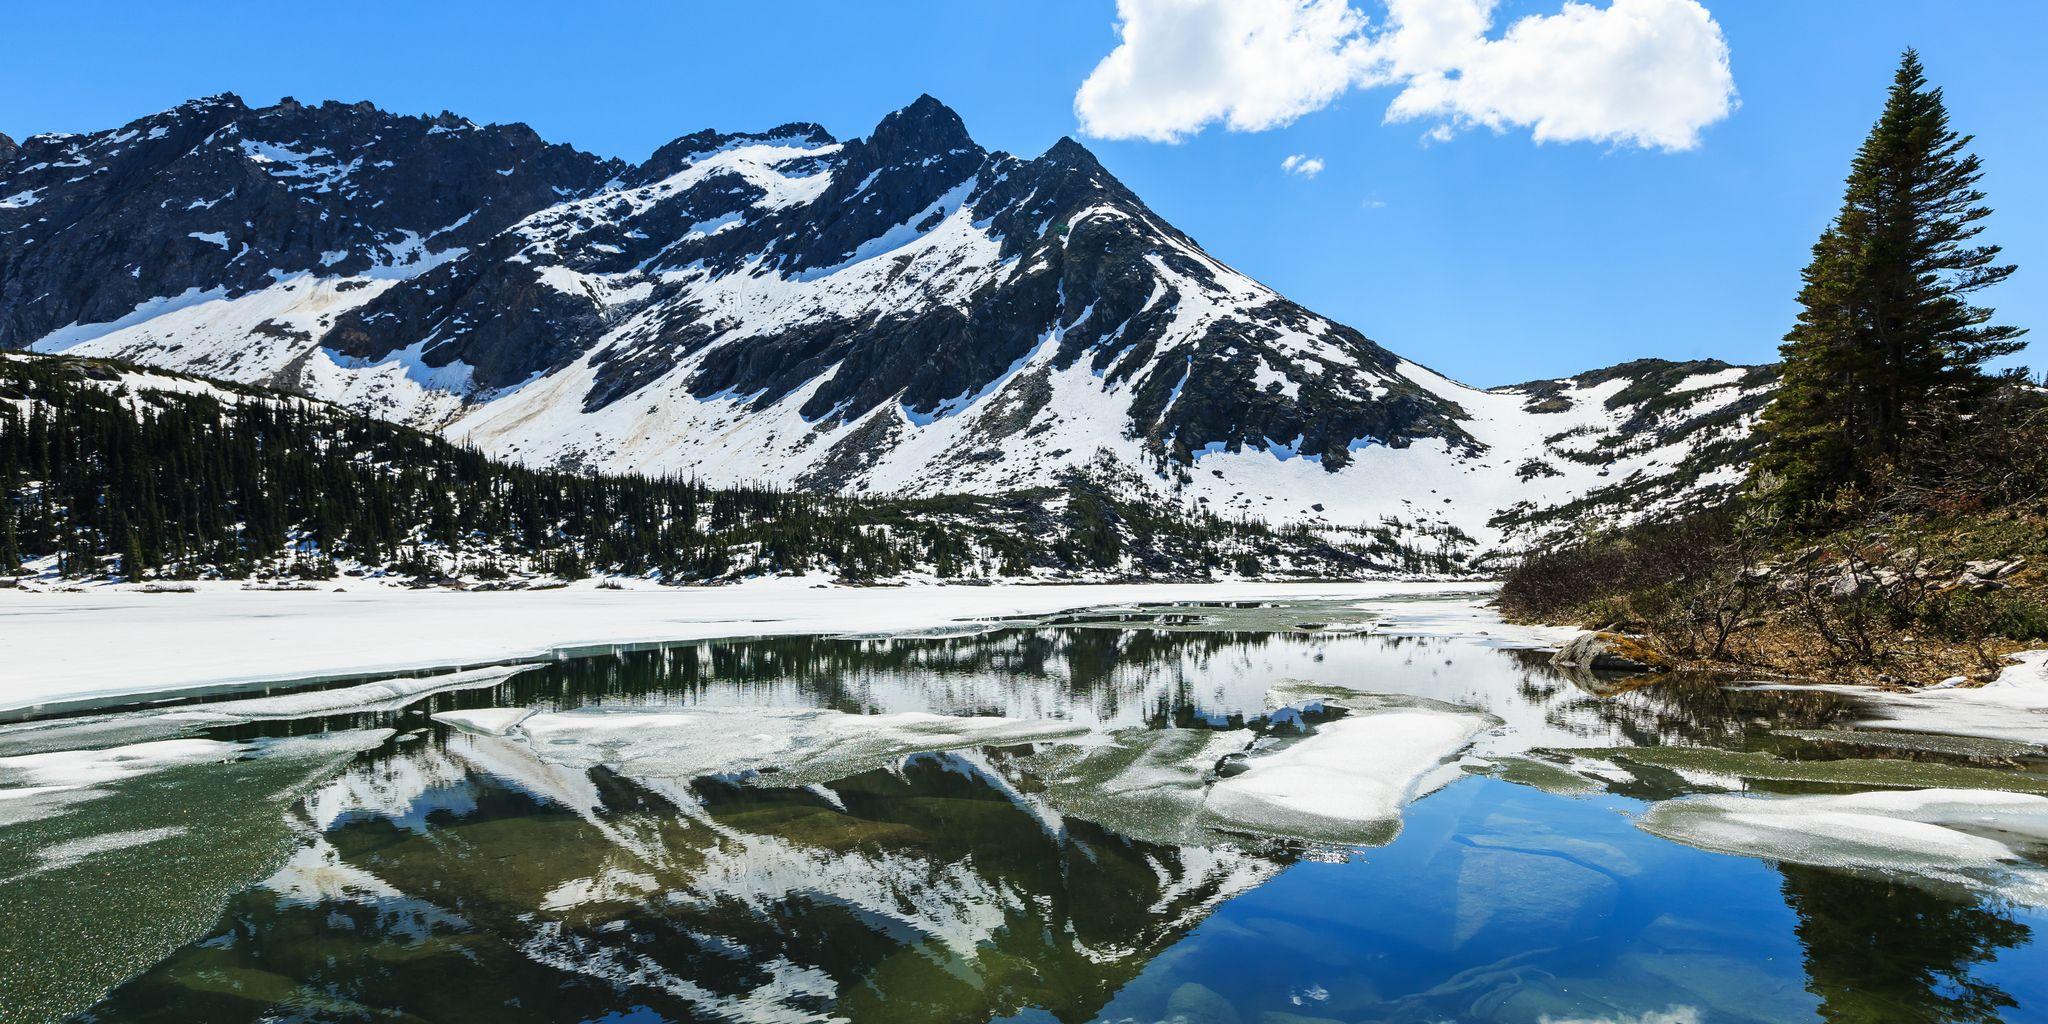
(905, 312)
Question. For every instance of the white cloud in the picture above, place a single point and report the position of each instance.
(1303, 164)
(1649, 73)
(1251, 64)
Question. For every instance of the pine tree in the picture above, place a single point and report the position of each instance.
(133, 562)
(10, 544)
(1886, 346)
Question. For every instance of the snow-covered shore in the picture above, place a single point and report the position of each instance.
(60, 651)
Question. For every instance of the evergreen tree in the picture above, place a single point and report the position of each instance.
(10, 545)
(1886, 345)
(133, 562)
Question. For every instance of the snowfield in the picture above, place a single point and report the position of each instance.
(666, 430)
(106, 646)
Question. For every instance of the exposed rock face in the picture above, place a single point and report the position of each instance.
(903, 312)
(214, 196)
(958, 264)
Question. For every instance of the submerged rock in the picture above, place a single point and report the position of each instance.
(1196, 1003)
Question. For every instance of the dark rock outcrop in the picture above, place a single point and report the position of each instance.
(216, 196)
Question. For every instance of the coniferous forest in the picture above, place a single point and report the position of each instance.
(113, 471)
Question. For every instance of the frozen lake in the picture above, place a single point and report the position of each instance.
(1258, 811)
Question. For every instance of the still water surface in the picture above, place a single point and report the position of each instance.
(435, 873)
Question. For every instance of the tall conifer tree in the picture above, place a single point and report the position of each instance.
(1887, 347)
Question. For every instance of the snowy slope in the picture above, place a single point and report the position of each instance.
(906, 312)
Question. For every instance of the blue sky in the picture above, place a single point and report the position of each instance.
(1488, 255)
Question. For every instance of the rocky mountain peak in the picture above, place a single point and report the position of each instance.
(926, 133)
(8, 147)
(212, 196)
(1069, 153)
(217, 101)
(901, 312)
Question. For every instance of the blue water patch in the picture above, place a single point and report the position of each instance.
(1505, 903)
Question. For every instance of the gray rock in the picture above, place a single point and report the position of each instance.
(1992, 568)
(1598, 652)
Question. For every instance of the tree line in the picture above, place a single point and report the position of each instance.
(107, 470)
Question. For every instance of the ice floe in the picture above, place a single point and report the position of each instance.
(485, 721)
(2014, 707)
(72, 768)
(1964, 836)
(1349, 780)
(34, 786)
(1345, 782)
(1471, 619)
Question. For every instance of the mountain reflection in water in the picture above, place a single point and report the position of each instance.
(453, 876)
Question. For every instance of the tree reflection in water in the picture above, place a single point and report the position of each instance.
(1879, 951)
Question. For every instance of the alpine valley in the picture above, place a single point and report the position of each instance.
(902, 314)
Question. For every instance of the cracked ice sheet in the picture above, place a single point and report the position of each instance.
(795, 744)
(1966, 837)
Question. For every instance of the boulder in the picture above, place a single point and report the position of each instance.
(1843, 584)
(1993, 568)
(1609, 652)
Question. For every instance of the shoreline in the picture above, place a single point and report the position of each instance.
(216, 641)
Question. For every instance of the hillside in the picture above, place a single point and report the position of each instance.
(112, 470)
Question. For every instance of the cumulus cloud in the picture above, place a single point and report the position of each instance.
(1303, 165)
(1649, 73)
(1251, 64)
